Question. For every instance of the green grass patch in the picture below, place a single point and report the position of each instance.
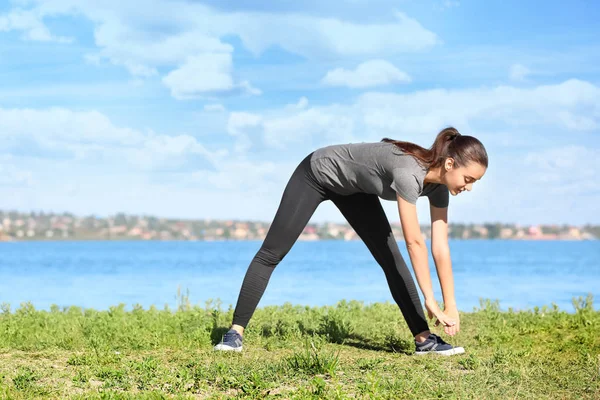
(347, 351)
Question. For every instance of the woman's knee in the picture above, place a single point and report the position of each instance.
(269, 257)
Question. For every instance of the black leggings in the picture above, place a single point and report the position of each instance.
(365, 215)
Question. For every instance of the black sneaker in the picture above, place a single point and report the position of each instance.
(232, 341)
(436, 345)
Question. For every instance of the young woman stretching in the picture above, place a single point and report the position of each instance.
(353, 176)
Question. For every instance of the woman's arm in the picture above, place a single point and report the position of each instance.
(440, 250)
(441, 256)
(417, 250)
(415, 244)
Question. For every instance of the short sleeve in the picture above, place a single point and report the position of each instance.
(439, 197)
(406, 185)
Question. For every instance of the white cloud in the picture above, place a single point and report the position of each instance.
(290, 126)
(518, 72)
(424, 111)
(67, 160)
(311, 127)
(242, 125)
(31, 24)
(570, 106)
(302, 103)
(166, 151)
(321, 37)
(368, 74)
(92, 139)
(131, 39)
(563, 159)
(238, 175)
(127, 168)
(142, 50)
(205, 74)
(577, 122)
(248, 88)
(566, 170)
(239, 120)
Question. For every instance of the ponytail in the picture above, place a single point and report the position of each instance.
(448, 143)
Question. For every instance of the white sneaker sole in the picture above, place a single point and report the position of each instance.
(224, 347)
(451, 352)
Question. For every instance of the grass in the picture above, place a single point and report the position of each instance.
(347, 351)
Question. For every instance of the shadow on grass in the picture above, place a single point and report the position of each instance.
(217, 334)
(391, 346)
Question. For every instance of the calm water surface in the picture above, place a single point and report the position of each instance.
(520, 274)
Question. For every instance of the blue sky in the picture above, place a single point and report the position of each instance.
(203, 109)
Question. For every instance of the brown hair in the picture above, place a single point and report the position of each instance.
(448, 143)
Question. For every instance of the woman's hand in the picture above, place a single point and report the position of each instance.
(433, 311)
(452, 313)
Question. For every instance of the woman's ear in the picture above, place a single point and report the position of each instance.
(448, 164)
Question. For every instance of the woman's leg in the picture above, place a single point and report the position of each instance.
(300, 199)
(367, 218)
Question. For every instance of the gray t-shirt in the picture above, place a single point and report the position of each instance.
(378, 168)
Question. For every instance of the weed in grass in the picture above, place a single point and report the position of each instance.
(274, 343)
(254, 385)
(336, 326)
(365, 364)
(146, 371)
(80, 379)
(318, 385)
(24, 378)
(313, 360)
(470, 362)
(81, 359)
(113, 378)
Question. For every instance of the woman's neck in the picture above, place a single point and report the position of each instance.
(433, 176)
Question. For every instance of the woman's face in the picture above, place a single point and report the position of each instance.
(462, 178)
